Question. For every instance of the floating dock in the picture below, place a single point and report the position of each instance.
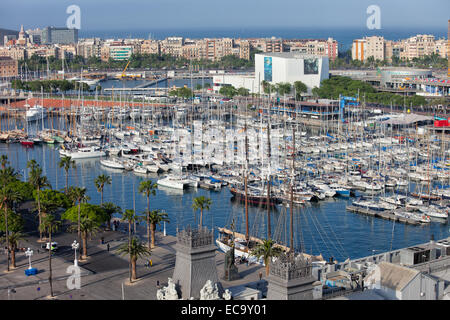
(387, 214)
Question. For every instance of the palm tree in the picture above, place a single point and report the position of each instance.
(67, 163)
(87, 226)
(8, 175)
(14, 239)
(39, 182)
(201, 203)
(51, 226)
(266, 250)
(135, 249)
(130, 216)
(100, 182)
(4, 161)
(155, 218)
(8, 196)
(79, 195)
(109, 209)
(148, 188)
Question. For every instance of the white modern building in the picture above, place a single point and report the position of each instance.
(278, 67)
(246, 81)
(290, 67)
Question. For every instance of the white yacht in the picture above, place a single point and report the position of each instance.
(83, 153)
(174, 182)
(112, 163)
(36, 113)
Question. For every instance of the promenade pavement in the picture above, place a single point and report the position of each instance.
(105, 274)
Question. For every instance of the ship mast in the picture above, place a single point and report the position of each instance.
(245, 183)
(291, 205)
(269, 235)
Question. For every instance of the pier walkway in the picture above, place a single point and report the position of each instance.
(387, 214)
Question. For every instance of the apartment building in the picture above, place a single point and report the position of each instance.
(419, 46)
(367, 47)
(317, 47)
(8, 67)
(90, 48)
(150, 47)
(441, 48)
(15, 53)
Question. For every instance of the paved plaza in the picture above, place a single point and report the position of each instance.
(105, 274)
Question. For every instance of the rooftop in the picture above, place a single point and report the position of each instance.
(292, 55)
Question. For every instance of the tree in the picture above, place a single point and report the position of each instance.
(300, 88)
(135, 249)
(67, 163)
(131, 217)
(50, 202)
(39, 182)
(267, 250)
(155, 218)
(110, 208)
(148, 188)
(284, 88)
(8, 175)
(201, 203)
(78, 195)
(4, 161)
(228, 91)
(243, 92)
(90, 218)
(15, 226)
(7, 197)
(50, 225)
(100, 182)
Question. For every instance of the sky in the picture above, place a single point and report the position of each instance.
(223, 14)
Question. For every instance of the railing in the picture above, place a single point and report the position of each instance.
(440, 264)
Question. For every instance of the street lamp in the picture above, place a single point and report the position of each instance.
(75, 246)
(29, 253)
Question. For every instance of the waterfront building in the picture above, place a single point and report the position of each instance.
(441, 48)
(320, 47)
(8, 67)
(419, 46)
(89, 48)
(16, 53)
(290, 67)
(117, 51)
(53, 35)
(367, 47)
(150, 47)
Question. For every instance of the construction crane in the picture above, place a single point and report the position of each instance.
(123, 76)
(123, 72)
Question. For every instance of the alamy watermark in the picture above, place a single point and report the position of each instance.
(74, 281)
(74, 20)
(374, 19)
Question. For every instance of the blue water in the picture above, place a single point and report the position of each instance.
(344, 36)
(325, 228)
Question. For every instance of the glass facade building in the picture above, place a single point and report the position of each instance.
(52, 35)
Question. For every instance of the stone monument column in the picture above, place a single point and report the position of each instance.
(195, 262)
(290, 278)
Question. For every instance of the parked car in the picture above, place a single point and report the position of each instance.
(47, 246)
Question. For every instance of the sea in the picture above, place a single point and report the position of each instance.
(344, 36)
(319, 228)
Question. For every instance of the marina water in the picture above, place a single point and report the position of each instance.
(321, 228)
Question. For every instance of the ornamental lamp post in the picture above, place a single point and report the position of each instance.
(29, 253)
(75, 246)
